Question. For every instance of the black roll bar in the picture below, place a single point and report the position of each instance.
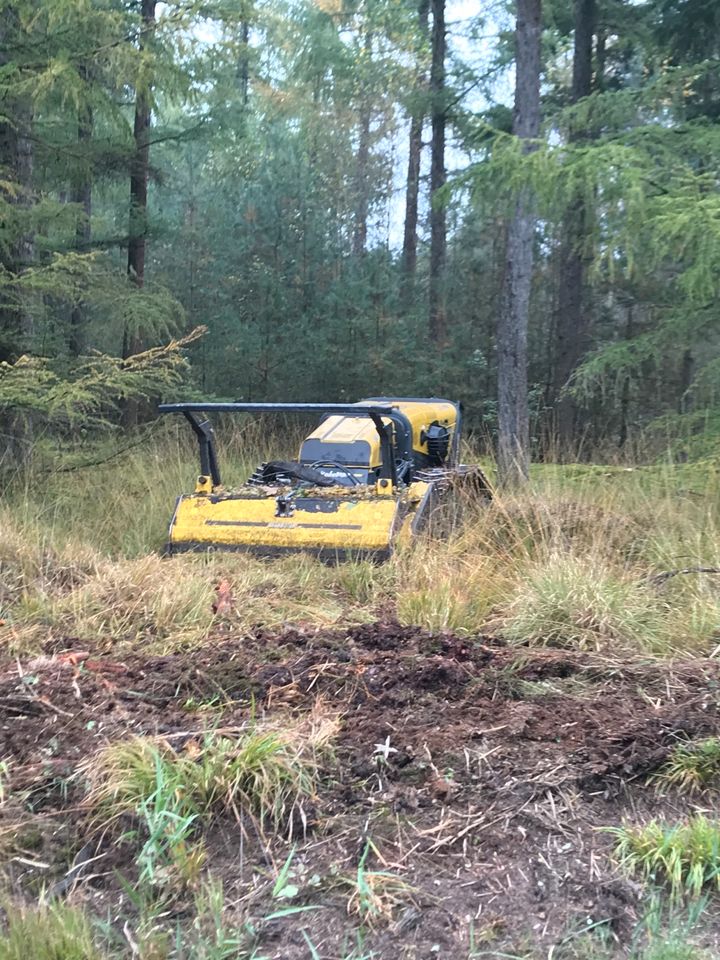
(375, 411)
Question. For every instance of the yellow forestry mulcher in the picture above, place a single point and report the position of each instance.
(372, 475)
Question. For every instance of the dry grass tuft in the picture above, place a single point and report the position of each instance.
(569, 601)
(375, 895)
(265, 770)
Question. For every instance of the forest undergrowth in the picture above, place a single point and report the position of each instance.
(230, 757)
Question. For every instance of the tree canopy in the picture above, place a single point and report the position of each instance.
(328, 186)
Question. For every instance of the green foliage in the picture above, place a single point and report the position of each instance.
(84, 393)
(256, 180)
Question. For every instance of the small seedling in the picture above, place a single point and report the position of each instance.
(199, 704)
(4, 780)
(375, 894)
(283, 889)
(211, 938)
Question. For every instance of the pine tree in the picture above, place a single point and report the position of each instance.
(438, 224)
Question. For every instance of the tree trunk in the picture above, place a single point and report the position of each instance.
(362, 181)
(16, 161)
(244, 60)
(600, 57)
(412, 189)
(82, 196)
(139, 169)
(625, 394)
(572, 314)
(25, 245)
(513, 414)
(134, 337)
(438, 228)
(687, 375)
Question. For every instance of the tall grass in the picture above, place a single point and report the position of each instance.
(123, 502)
(570, 601)
(566, 562)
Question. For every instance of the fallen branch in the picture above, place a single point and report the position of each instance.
(72, 467)
(659, 578)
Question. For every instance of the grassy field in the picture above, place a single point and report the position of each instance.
(288, 775)
(570, 561)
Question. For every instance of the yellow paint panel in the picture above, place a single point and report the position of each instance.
(420, 413)
(251, 522)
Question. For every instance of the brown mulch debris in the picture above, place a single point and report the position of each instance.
(494, 764)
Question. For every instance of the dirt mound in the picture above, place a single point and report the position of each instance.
(479, 771)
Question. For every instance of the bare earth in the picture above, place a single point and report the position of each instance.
(480, 772)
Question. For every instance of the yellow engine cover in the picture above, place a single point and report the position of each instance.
(355, 441)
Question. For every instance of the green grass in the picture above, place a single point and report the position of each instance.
(684, 855)
(210, 936)
(693, 766)
(169, 854)
(579, 602)
(209, 933)
(51, 932)
(674, 950)
(268, 772)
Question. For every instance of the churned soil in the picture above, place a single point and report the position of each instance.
(480, 773)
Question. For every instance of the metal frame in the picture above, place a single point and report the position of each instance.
(376, 411)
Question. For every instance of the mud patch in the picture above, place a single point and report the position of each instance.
(479, 772)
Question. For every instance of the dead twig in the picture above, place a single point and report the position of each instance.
(659, 578)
